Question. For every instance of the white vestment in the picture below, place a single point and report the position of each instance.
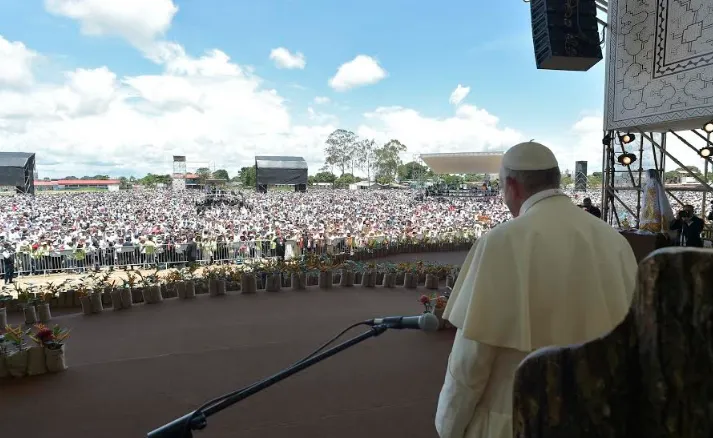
(556, 275)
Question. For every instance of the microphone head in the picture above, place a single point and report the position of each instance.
(428, 322)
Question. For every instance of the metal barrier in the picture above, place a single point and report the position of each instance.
(171, 255)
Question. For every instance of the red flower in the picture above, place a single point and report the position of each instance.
(45, 335)
(424, 299)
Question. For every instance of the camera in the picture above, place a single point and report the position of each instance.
(683, 214)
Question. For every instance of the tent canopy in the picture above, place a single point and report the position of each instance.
(14, 159)
(280, 170)
(276, 162)
(17, 169)
(464, 162)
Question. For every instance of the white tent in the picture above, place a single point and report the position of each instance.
(464, 162)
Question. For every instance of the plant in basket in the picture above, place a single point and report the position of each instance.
(52, 342)
(5, 299)
(171, 281)
(151, 287)
(27, 300)
(272, 271)
(388, 270)
(16, 356)
(126, 293)
(216, 278)
(83, 288)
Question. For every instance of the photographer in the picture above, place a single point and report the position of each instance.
(690, 227)
(710, 215)
(591, 209)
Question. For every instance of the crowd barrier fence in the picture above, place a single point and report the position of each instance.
(175, 255)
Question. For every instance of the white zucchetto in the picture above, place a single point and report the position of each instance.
(529, 156)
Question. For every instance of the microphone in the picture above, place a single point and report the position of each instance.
(426, 321)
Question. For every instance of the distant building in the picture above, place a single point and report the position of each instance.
(78, 184)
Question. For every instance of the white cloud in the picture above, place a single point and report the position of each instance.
(284, 59)
(207, 108)
(321, 100)
(138, 21)
(15, 63)
(360, 71)
(470, 129)
(459, 94)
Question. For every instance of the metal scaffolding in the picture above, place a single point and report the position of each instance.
(651, 153)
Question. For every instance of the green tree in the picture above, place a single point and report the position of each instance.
(325, 177)
(70, 177)
(247, 176)
(474, 177)
(124, 183)
(203, 174)
(387, 160)
(221, 174)
(454, 181)
(345, 180)
(566, 181)
(339, 148)
(366, 156)
(413, 171)
(594, 180)
(151, 180)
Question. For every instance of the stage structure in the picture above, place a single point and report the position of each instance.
(460, 163)
(277, 170)
(17, 169)
(658, 84)
(580, 176)
(179, 172)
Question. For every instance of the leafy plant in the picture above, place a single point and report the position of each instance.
(16, 336)
(52, 339)
(130, 281)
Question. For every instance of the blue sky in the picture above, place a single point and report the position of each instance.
(425, 48)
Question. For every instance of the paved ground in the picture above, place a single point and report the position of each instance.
(136, 369)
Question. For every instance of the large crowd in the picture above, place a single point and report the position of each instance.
(146, 219)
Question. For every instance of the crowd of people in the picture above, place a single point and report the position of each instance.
(146, 219)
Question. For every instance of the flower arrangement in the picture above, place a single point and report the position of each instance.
(433, 302)
(52, 339)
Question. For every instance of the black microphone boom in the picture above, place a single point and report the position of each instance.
(184, 426)
(426, 322)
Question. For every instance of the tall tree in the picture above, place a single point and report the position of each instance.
(221, 174)
(388, 160)
(366, 156)
(338, 149)
(247, 176)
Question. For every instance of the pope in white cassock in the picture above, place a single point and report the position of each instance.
(553, 275)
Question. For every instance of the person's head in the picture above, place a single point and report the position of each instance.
(527, 168)
(689, 209)
(587, 202)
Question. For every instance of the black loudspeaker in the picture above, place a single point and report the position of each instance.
(300, 188)
(580, 176)
(565, 34)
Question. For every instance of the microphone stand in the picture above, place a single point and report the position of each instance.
(184, 426)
